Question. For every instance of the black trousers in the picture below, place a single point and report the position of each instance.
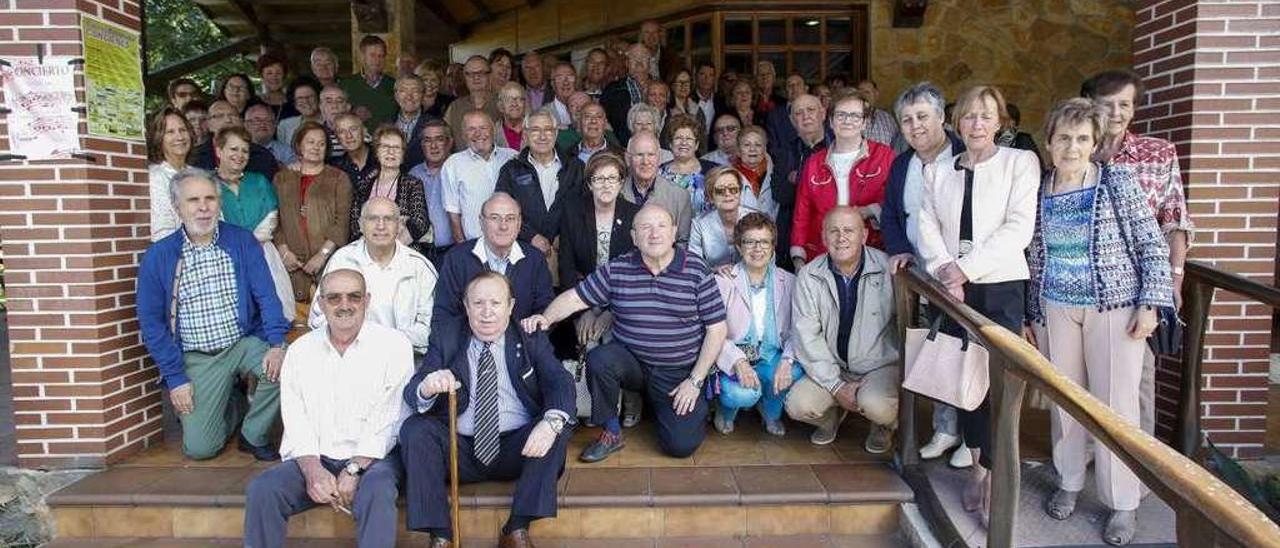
(424, 452)
(612, 367)
(1005, 304)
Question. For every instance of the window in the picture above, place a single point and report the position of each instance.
(816, 43)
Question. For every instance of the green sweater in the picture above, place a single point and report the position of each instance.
(380, 101)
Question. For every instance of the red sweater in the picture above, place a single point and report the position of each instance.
(816, 194)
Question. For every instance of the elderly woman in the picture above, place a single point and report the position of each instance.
(682, 101)
(920, 118)
(500, 64)
(169, 138)
(356, 160)
(711, 235)
(388, 181)
(643, 117)
(724, 133)
(237, 89)
(315, 206)
(756, 167)
(976, 219)
(742, 103)
(685, 170)
(1099, 269)
(249, 202)
(512, 105)
(756, 363)
(852, 171)
(434, 99)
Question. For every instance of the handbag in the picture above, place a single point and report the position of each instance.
(1166, 340)
(578, 370)
(946, 368)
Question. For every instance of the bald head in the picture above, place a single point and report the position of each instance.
(341, 276)
(807, 116)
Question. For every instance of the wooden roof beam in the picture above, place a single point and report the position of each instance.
(485, 12)
(161, 76)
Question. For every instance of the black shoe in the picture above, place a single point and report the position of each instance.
(264, 453)
(605, 445)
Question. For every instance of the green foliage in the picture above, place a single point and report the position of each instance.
(177, 30)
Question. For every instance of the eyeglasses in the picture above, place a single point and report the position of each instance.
(502, 219)
(842, 116)
(391, 148)
(381, 219)
(728, 191)
(683, 139)
(606, 181)
(335, 299)
(728, 129)
(756, 243)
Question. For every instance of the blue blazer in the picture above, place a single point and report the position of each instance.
(531, 277)
(539, 380)
(893, 215)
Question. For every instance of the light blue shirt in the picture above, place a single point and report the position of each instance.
(439, 218)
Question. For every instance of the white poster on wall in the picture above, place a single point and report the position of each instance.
(40, 97)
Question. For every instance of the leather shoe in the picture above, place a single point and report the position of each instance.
(516, 539)
(264, 453)
(605, 445)
(440, 542)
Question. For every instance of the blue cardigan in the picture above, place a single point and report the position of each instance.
(893, 215)
(260, 313)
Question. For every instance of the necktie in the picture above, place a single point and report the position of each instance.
(486, 402)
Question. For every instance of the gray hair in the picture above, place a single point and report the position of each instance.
(642, 108)
(187, 174)
(543, 112)
(923, 91)
(324, 52)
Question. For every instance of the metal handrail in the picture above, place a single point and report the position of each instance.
(1209, 512)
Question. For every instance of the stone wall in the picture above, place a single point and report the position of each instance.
(1035, 51)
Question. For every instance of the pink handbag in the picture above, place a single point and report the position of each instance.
(946, 368)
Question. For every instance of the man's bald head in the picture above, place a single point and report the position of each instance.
(331, 279)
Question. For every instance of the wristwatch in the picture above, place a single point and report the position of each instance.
(1177, 271)
(697, 383)
(556, 422)
(354, 469)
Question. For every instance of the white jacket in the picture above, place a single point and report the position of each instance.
(413, 291)
(1004, 217)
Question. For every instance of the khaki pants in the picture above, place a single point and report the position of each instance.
(1094, 350)
(877, 398)
(1147, 391)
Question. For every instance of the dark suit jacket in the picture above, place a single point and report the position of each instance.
(616, 100)
(578, 238)
(413, 147)
(531, 277)
(893, 215)
(539, 380)
(519, 178)
(260, 159)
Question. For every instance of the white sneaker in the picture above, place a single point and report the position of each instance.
(938, 445)
(961, 458)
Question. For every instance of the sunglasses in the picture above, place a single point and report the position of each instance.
(334, 299)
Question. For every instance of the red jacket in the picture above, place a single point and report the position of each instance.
(816, 194)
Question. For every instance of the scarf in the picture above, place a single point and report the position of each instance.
(768, 344)
(753, 177)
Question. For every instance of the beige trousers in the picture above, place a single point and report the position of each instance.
(1147, 391)
(877, 397)
(1094, 349)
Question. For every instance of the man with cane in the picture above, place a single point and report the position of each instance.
(515, 409)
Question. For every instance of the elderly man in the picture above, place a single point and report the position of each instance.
(541, 179)
(777, 123)
(371, 92)
(536, 87)
(437, 142)
(593, 134)
(766, 79)
(518, 429)
(667, 356)
(808, 117)
(342, 411)
(410, 119)
(564, 84)
(704, 92)
(470, 176)
(645, 186)
(498, 250)
(475, 74)
(663, 62)
(400, 282)
(209, 313)
(261, 124)
(881, 126)
(622, 94)
(333, 104)
(846, 338)
(221, 115)
(324, 66)
(568, 136)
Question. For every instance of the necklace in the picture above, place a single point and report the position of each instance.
(391, 189)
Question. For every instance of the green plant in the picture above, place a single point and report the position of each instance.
(177, 30)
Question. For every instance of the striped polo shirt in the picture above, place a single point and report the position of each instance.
(660, 318)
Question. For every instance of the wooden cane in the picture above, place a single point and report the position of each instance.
(453, 467)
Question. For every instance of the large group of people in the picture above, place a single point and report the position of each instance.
(708, 243)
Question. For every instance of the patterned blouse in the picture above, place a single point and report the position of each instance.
(1154, 163)
(408, 194)
(1066, 220)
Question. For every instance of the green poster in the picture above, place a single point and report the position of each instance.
(112, 79)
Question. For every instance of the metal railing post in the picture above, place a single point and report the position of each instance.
(1199, 299)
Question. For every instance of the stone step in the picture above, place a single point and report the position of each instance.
(807, 541)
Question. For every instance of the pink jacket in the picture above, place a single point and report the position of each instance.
(737, 302)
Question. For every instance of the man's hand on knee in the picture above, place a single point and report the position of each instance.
(322, 487)
(539, 441)
(183, 399)
(272, 362)
(847, 396)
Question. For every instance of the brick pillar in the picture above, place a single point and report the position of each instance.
(73, 231)
(1212, 71)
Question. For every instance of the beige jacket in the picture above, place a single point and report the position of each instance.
(873, 344)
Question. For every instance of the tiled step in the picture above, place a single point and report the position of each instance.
(797, 541)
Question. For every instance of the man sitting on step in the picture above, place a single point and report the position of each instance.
(845, 336)
(515, 408)
(340, 398)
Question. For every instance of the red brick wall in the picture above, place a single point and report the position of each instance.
(1213, 74)
(72, 234)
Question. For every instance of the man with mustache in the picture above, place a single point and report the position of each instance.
(341, 387)
(209, 313)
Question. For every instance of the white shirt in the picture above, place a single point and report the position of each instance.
(548, 178)
(708, 108)
(841, 163)
(913, 191)
(759, 307)
(164, 219)
(469, 180)
(494, 262)
(344, 405)
(402, 293)
(563, 119)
